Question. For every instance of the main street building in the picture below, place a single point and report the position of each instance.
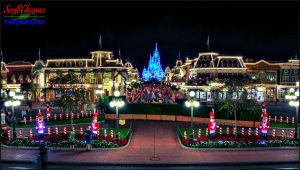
(205, 71)
(102, 74)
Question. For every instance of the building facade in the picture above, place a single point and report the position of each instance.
(206, 72)
(100, 75)
(288, 75)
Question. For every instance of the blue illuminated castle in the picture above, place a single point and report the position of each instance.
(154, 70)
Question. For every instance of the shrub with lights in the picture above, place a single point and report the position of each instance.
(232, 138)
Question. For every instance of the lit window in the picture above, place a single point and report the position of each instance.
(69, 64)
(28, 79)
(21, 78)
(295, 78)
(13, 78)
(285, 78)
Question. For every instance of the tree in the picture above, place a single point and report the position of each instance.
(236, 97)
(70, 98)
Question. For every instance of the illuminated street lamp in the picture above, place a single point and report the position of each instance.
(294, 101)
(192, 103)
(15, 101)
(116, 103)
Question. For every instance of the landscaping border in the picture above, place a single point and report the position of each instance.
(130, 133)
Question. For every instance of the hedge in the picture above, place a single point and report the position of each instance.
(177, 109)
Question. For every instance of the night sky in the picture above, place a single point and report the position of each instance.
(72, 29)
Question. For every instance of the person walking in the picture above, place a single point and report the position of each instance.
(72, 140)
(88, 138)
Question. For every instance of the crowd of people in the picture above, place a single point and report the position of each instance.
(153, 94)
(19, 114)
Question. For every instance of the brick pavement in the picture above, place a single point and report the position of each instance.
(161, 135)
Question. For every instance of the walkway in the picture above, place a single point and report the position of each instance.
(158, 138)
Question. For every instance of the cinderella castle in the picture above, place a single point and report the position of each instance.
(154, 70)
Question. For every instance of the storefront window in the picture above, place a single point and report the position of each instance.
(282, 93)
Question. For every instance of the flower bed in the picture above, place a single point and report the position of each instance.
(61, 140)
(242, 141)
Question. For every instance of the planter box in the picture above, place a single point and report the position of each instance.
(200, 120)
(153, 117)
(125, 116)
(183, 118)
(257, 124)
(168, 117)
(110, 116)
(139, 116)
(239, 123)
(227, 122)
(245, 123)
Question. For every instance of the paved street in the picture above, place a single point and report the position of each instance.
(155, 139)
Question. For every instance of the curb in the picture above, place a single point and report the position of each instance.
(235, 149)
(155, 165)
(172, 164)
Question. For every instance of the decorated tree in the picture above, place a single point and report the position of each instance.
(236, 97)
(70, 98)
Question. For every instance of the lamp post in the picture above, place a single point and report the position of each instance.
(116, 103)
(14, 101)
(294, 101)
(192, 103)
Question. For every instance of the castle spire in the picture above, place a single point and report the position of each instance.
(179, 56)
(154, 69)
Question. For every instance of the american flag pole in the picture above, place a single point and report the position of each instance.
(100, 41)
(207, 43)
(39, 53)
